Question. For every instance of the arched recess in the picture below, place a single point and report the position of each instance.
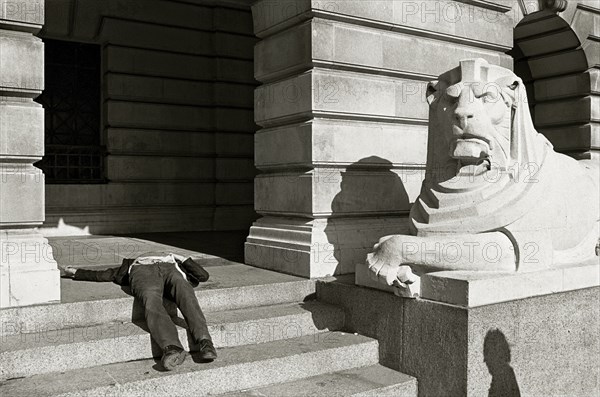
(557, 54)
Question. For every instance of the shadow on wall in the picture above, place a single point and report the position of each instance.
(496, 354)
(368, 187)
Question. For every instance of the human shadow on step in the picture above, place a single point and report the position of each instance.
(324, 318)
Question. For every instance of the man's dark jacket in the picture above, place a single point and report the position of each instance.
(120, 275)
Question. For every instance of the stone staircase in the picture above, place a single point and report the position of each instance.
(272, 340)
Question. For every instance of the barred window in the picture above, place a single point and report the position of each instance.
(71, 100)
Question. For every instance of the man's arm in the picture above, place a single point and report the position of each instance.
(91, 275)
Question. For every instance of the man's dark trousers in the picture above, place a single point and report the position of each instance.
(149, 283)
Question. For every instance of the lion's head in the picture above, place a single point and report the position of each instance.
(472, 116)
(481, 138)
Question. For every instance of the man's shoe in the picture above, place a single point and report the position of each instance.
(207, 350)
(172, 357)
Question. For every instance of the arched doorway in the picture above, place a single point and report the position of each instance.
(557, 55)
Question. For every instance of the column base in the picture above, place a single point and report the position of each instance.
(28, 271)
(316, 248)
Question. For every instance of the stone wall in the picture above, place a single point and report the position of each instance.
(344, 118)
(177, 115)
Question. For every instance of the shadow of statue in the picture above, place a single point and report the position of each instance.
(368, 188)
(496, 354)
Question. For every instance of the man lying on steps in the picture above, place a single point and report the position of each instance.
(151, 276)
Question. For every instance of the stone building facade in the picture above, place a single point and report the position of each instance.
(309, 115)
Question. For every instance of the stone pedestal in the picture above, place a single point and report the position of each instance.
(28, 273)
(544, 345)
(342, 108)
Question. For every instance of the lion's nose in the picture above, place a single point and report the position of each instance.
(462, 116)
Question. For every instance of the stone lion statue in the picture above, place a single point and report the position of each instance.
(496, 196)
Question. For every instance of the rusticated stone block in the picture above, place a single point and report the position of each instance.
(234, 45)
(360, 48)
(234, 217)
(579, 84)
(549, 43)
(158, 90)
(558, 64)
(29, 12)
(21, 202)
(234, 95)
(580, 110)
(28, 273)
(487, 23)
(136, 219)
(21, 130)
(234, 169)
(230, 144)
(232, 20)
(157, 116)
(234, 193)
(326, 141)
(158, 63)
(159, 168)
(151, 36)
(237, 70)
(234, 120)
(375, 190)
(316, 248)
(583, 137)
(138, 141)
(21, 63)
(339, 93)
(30, 287)
(86, 196)
(289, 51)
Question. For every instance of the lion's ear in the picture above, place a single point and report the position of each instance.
(510, 82)
(513, 86)
(509, 89)
(431, 91)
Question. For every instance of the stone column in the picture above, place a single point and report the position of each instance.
(344, 119)
(28, 272)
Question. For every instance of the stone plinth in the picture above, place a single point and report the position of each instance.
(543, 346)
(473, 289)
(342, 108)
(28, 272)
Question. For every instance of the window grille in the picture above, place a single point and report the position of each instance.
(71, 101)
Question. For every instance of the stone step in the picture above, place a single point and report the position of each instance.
(372, 381)
(230, 287)
(82, 347)
(238, 368)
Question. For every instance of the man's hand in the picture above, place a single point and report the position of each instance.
(68, 271)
